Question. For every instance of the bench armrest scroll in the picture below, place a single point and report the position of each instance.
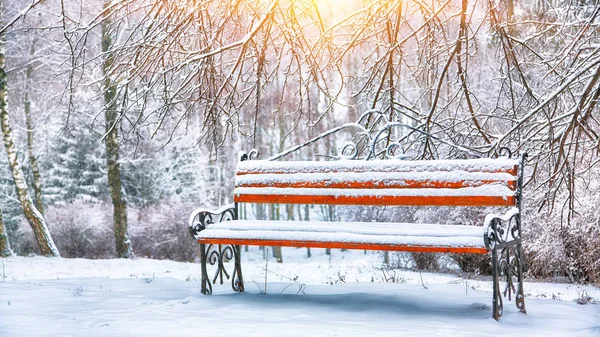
(502, 230)
(202, 217)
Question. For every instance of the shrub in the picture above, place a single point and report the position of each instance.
(82, 229)
(160, 231)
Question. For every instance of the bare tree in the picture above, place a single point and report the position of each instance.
(33, 161)
(111, 115)
(33, 216)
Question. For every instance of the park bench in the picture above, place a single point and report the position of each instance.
(483, 182)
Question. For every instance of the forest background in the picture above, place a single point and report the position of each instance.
(120, 117)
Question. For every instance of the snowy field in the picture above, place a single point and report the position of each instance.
(342, 295)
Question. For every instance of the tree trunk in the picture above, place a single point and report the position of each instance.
(123, 243)
(261, 214)
(510, 15)
(306, 218)
(331, 216)
(4, 244)
(274, 210)
(33, 216)
(37, 179)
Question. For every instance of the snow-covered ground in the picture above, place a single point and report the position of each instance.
(342, 295)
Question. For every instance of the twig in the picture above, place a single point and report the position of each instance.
(258, 286)
(267, 250)
(289, 285)
(423, 284)
(21, 14)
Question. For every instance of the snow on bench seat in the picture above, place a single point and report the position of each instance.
(348, 235)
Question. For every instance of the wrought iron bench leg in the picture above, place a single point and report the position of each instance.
(218, 255)
(520, 296)
(497, 298)
(507, 262)
(206, 286)
(238, 283)
(503, 237)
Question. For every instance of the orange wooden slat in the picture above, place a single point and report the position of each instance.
(405, 183)
(378, 200)
(345, 245)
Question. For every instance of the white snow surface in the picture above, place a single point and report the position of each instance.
(391, 165)
(411, 234)
(217, 212)
(505, 217)
(339, 295)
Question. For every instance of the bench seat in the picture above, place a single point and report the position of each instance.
(349, 235)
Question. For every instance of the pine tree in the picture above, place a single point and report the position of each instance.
(180, 176)
(77, 170)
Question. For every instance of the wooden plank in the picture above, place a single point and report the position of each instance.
(408, 184)
(378, 200)
(358, 166)
(391, 228)
(345, 245)
(512, 171)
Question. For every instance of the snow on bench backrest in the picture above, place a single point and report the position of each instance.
(468, 182)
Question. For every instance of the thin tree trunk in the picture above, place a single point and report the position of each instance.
(33, 216)
(244, 208)
(306, 218)
(4, 244)
(274, 210)
(37, 179)
(510, 14)
(123, 243)
(330, 217)
(261, 214)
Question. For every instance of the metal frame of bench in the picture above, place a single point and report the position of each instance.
(501, 234)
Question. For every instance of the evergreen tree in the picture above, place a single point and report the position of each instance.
(77, 168)
(138, 178)
(181, 175)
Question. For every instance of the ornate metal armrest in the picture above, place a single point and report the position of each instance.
(202, 217)
(502, 230)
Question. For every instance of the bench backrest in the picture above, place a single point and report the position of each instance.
(468, 182)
